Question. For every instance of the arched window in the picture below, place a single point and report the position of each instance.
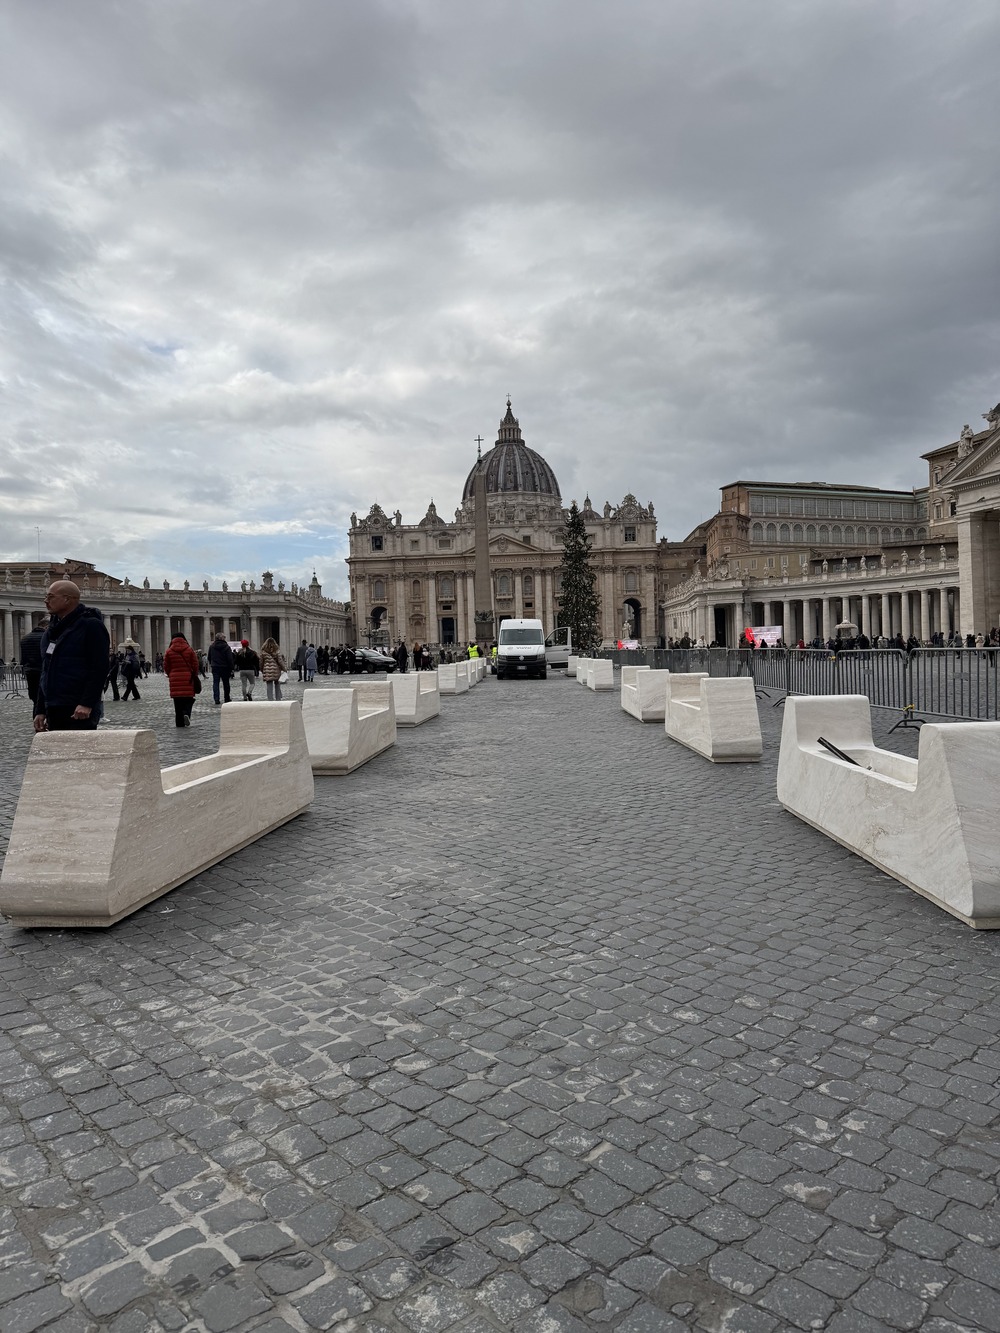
(897, 534)
(631, 582)
(378, 590)
(921, 533)
(885, 536)
(757, 532)
(772, 533)
(873, 536)
(503, 585)
(836, 534)
(797, 532)
(824, 534)
(909, 534)
(784, 533)
(849, 535)
(811, 532)
(447, 586)
(415, 588)
(529, 586)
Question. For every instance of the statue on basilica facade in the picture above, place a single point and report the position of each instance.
(965, 441)
(145, 584)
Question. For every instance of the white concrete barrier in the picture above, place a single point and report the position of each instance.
(582, 663)
(416, 697)
(715, 717)
(930, 822)
(451, 680)
(100, 829)
(644, 693)
(600, 674)
(346, 728)
(471, 671)
(571, 666)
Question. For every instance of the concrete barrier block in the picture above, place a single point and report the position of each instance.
(346, 728)
(600, 674)
(929, 822)
(571, 666)
(644, 693)
(715, 717)
(416, 697)
(451, 680)
(100, 829)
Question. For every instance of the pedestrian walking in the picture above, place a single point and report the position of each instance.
(220, 659)
(299, 660)
(311, 662)
(272, 668)
(247, 663)
(130, 670)
(180, 662)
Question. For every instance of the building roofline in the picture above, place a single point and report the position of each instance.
(818, 486)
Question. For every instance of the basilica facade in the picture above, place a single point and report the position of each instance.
(416, 581)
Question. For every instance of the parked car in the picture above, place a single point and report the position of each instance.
(371, 659)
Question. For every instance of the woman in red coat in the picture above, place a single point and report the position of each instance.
(181, 665)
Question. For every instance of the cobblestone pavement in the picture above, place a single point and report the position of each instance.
(539, 1022)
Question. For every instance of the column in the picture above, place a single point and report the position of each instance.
(904, 616)
(766, 612)
(460, 625)
(925, 617)
(827, 620)
(866, 615)
(8, 636)
(146, 637)
(787, 625)
(886, 626)
(433, 629)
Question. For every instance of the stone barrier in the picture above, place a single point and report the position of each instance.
(100, 829)
(452, 680)
(714, 716)
(416, 697)
(581, 669)
(644, 693)
(346, 728)
(930, 822)
(600, 674)
(571, 666)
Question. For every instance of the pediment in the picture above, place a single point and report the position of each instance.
(981, 465)
(504, 544)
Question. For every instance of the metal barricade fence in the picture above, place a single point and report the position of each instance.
(12, 682)
(961, 683)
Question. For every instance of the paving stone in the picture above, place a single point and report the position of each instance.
(553, 1267)
(113, 1290)
(799, 1304)
(229, 1304)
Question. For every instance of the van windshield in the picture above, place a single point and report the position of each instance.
(521, 635)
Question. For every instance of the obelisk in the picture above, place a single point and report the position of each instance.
(483, 587)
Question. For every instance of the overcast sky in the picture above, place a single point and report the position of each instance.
(267, 262)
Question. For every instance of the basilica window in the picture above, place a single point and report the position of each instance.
(529, 586)
(414, 543)
(824, 533)
(444, 543)
(836, 536)
(630, 534)
(378, 588)
(797, 532)
(757, 532)
(784, 533)
(810, 532)
(503, 585)
(772, 533)
(415, 587)
(631, 582)
(377, 543)
(849, 535)
(447, 586)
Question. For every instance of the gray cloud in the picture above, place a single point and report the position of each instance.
(264, 265)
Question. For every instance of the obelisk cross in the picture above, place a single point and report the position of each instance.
(479, 448)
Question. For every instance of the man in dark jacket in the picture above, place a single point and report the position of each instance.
(31, 657)
(74, 651)
(220, 659)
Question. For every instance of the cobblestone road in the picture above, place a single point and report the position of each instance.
(539, 1023)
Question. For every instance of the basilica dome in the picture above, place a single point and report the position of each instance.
(512, 468)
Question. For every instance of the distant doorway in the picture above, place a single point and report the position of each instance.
(448, 629)
(720, 627)
(632, 617)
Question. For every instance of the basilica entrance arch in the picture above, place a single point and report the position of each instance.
(632, 615)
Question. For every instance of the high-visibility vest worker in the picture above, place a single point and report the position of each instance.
(473, 650)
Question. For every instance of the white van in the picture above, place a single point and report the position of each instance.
(521, 649)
